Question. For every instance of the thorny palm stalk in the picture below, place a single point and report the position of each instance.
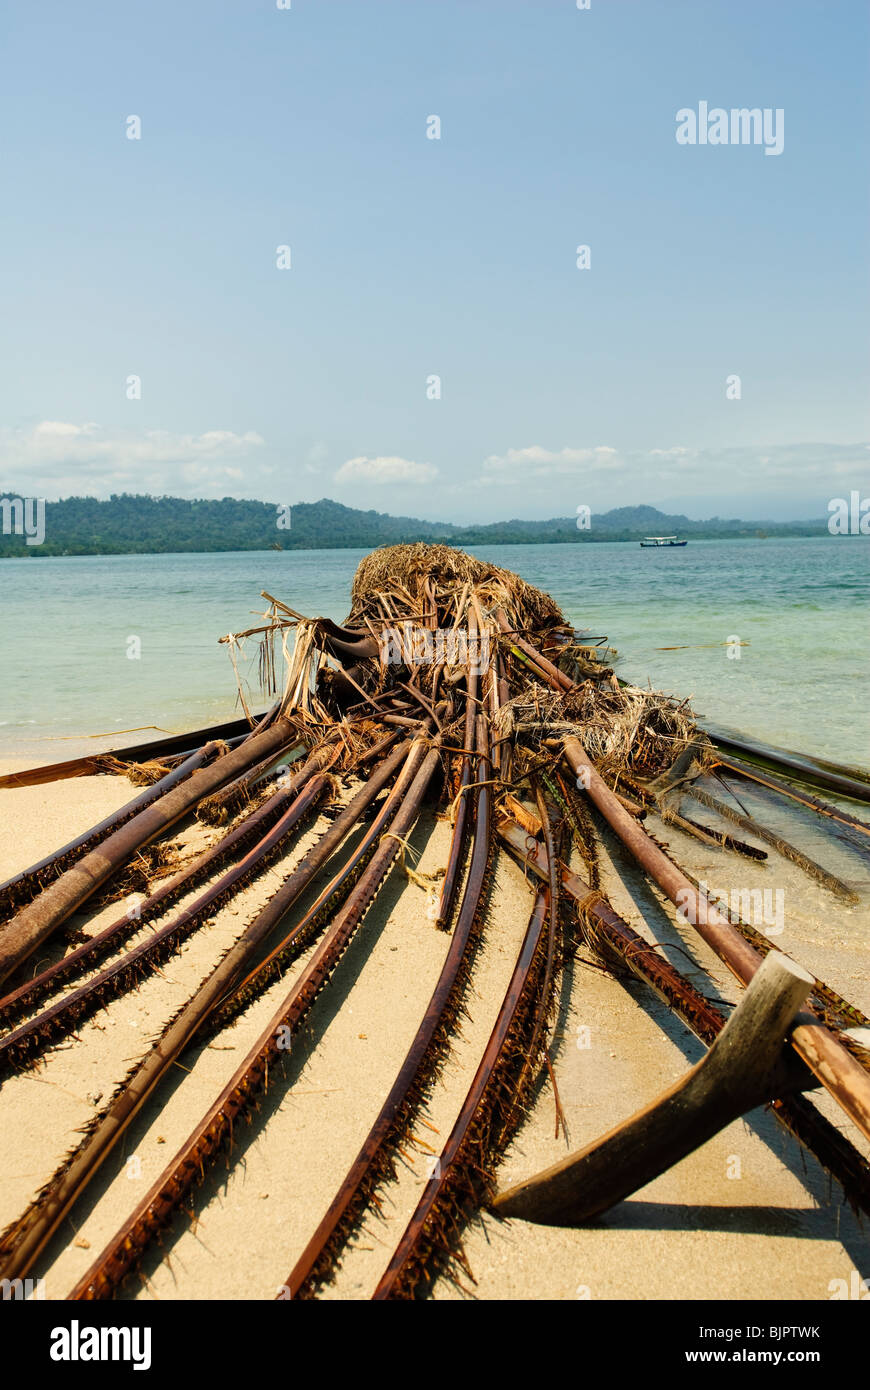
(460, 1178)
(34, 923)
(16, 1004)
(840, 1073)
(23, 1241)
(619, 948)
(457, 843)
(237, 1097)
(25, 1043)
(430, 1046)
(24, 886)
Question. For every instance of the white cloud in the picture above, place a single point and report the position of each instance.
(57, 458)
(641, 473)
(385, 470)
(61, 429)
(63, 458)
(537, 462)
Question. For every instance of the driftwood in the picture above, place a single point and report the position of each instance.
(815, 772)
(169, 748)
(746, 1066)
(837, 1070)
(621, 949)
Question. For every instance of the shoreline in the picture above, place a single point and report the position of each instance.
(37, 552)
(21, 754)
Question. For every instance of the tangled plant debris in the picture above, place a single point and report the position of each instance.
(454, 681)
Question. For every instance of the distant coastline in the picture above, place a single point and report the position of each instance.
(130, 524)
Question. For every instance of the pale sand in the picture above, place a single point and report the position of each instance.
(695, 1233)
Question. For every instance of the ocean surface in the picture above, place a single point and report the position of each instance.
(800, 605)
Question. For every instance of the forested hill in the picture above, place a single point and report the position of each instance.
(128, 524)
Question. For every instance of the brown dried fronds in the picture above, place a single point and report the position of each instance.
(622, 728)
(399, 570)
(148, 866)
(583, 663)
(143, 774)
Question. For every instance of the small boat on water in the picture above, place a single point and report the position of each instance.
(654, 542)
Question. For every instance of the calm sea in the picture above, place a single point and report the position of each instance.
(802, 680)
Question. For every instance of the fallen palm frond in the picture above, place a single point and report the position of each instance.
(462, 1177)
(27, 884)
(221, 805)
(783, 846)
(496, 702)
(24, 1044)
(164, 751)
(825, 1055)
(237, 1097)
(34, 923)
(375, 1160)
(851, 782)
(19, 1002)
(620, 948)
(858, 830)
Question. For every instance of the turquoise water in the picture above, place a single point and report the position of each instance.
(800, 604)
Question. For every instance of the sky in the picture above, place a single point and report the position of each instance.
(426, 343)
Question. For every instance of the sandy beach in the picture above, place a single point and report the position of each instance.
(745, 1217)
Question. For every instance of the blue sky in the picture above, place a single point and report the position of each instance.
(413, 257)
